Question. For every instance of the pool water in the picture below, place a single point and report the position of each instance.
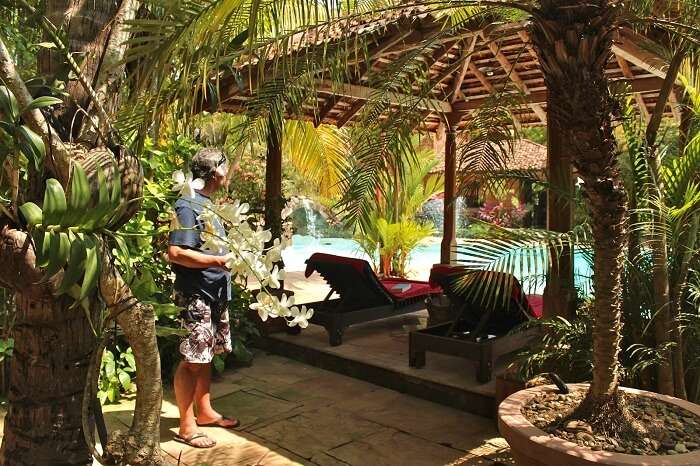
(421, 260)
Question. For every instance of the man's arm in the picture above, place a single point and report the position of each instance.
(195, 260)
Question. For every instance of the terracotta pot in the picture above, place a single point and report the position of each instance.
(531, 446)
(505, 387)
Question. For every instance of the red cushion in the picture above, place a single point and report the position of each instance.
(416, 289)
(440, 271)
(536, 302)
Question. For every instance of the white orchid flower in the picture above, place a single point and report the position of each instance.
(286, 301)
(263, 236)
(185, 185)
(300, 317)
(265, 305)
(234, 213)
(274, 255)
(273, 280)
(213, 243)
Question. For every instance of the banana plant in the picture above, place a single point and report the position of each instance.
(66, 231)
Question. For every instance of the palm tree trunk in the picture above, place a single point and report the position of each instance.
(47, 376)
(573, 40)
(89, 27)
(666, 329)
(685, 250)
(41, 432)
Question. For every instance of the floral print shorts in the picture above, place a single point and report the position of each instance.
(208, 328)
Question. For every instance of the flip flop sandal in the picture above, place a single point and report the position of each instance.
(188, 440)
(217, 423)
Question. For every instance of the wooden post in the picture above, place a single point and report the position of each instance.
(559, 295)
(449, 241)
(273, 182)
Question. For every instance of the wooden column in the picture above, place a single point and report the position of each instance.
(449, 241)
(559, 295)
(273, 183)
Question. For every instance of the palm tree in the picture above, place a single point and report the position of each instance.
(574, 41)
(667, 206)
(56, 348)
(391, 228)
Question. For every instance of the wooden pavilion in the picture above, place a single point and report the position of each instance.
(464, 71)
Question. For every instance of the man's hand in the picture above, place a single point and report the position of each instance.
(225, 261)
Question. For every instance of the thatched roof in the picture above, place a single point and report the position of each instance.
(466, 69)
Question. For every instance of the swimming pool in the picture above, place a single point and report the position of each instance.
(420, 260)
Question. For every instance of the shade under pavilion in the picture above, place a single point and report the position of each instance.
(468, 67)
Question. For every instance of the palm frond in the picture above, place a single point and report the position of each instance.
(320, 153)
(514, 253)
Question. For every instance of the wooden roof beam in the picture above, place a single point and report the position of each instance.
(451, 69)
(323, 111)
(525, 37)
(626, 48)
(365, 93)
(351, 112)
(540, 97)
(481, 77)
(513, 75)
(627, 73)
(467, 57)
(378, 50)
(420, 38)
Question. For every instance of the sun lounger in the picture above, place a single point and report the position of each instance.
(482, 331)
(362, 296)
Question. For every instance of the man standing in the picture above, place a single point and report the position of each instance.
(202, 290)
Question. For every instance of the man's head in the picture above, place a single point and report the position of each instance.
(210, 164)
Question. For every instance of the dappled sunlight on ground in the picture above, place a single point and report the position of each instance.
(292, 413)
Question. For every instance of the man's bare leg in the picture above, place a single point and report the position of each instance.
(202, 399)
(186, 377)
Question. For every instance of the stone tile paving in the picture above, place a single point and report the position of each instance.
(293, 414)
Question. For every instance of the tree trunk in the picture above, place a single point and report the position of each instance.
(47, 374)
(140, 446)
(89, 26)
(686, 249)
(573, 41)
(50, 432)
(666, 329)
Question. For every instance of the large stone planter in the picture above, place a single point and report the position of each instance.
(531, 446)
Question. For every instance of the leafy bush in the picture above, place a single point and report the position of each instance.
(393, 242)
(117, 371)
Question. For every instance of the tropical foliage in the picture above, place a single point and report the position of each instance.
(169, 65)
(389, 231)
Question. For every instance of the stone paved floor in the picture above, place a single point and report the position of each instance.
(388, 341)
(293, 413)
